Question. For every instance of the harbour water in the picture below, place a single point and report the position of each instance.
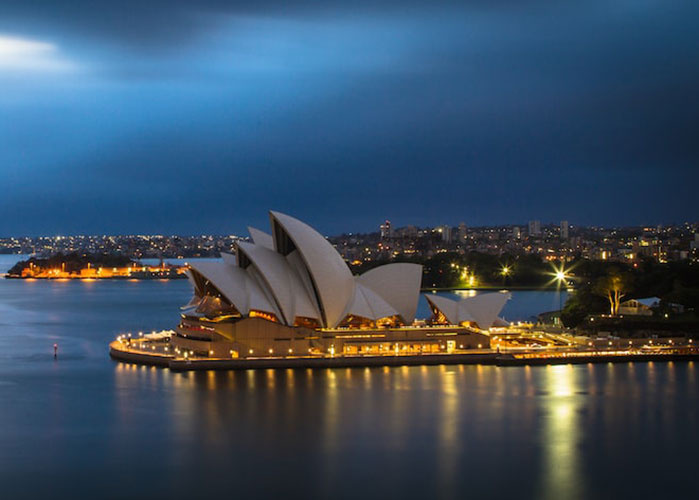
(83, 426)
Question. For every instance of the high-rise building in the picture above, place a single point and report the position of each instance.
(564, 229)
(385, 229)
(534, 228)
(516, 233)
(445, 232)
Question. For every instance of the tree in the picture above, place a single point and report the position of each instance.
(573, 313)
(614, 286)
(580, 304)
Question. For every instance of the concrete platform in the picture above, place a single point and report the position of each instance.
(121, 352)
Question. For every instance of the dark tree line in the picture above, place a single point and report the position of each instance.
(601, 286)
(453, 270)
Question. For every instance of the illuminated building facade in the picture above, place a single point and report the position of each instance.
(290, 293)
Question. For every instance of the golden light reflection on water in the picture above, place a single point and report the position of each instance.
(250, 375)
(270, 378)
(331, 416)
(562, 477)
(691, 376)
(367, 378)
(329, 428)
(211, 380)
(530, 421)
(399, 409)
(448, 433)
(671, 372)
(290, 379)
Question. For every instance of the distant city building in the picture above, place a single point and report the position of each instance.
(462, 231)
(386, 231)
(407, 232)
(445, 233)
(534, 228)
(623, 243)
(564, 229)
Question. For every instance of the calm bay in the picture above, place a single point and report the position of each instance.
(70, 426)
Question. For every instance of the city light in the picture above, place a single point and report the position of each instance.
(560, 275)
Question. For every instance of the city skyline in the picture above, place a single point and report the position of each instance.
(178, 119)
(552, 242)
(378, 228)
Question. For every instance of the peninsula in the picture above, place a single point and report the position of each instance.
(87, 266)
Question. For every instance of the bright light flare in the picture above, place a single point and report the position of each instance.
(560, 275)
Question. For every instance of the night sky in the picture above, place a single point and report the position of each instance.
(165, 116)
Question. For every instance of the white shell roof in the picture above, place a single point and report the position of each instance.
(378, 305)
(333, 279)
(360, 306)
(282, 282)
(448, 307)
(229, 258)
(236, 285)
(261, 238)
(482, 309)
(485, 308)
(398, 284)
(196, 297)
(298, 268)
(368, 304)
(302, 275)
(261, 299)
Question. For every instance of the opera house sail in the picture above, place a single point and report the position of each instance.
(289, 293)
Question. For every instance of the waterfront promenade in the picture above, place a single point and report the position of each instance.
(154, 350)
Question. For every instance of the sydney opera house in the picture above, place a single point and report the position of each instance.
(289, 293)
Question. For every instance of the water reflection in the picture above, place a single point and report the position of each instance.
(560, 434)
(431, 432)
(409, 432)
(450, 442)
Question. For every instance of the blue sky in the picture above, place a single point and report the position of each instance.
(198, 117)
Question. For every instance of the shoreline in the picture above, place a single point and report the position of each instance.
(483, 288)
(522, 288)
(96, 278)
(525, 288)
(119, 352)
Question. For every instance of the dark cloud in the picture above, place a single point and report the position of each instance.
(172, 23)
(144, 23)
(477, 111)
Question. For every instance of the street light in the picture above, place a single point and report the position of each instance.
(560, 277)
(505, 272)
